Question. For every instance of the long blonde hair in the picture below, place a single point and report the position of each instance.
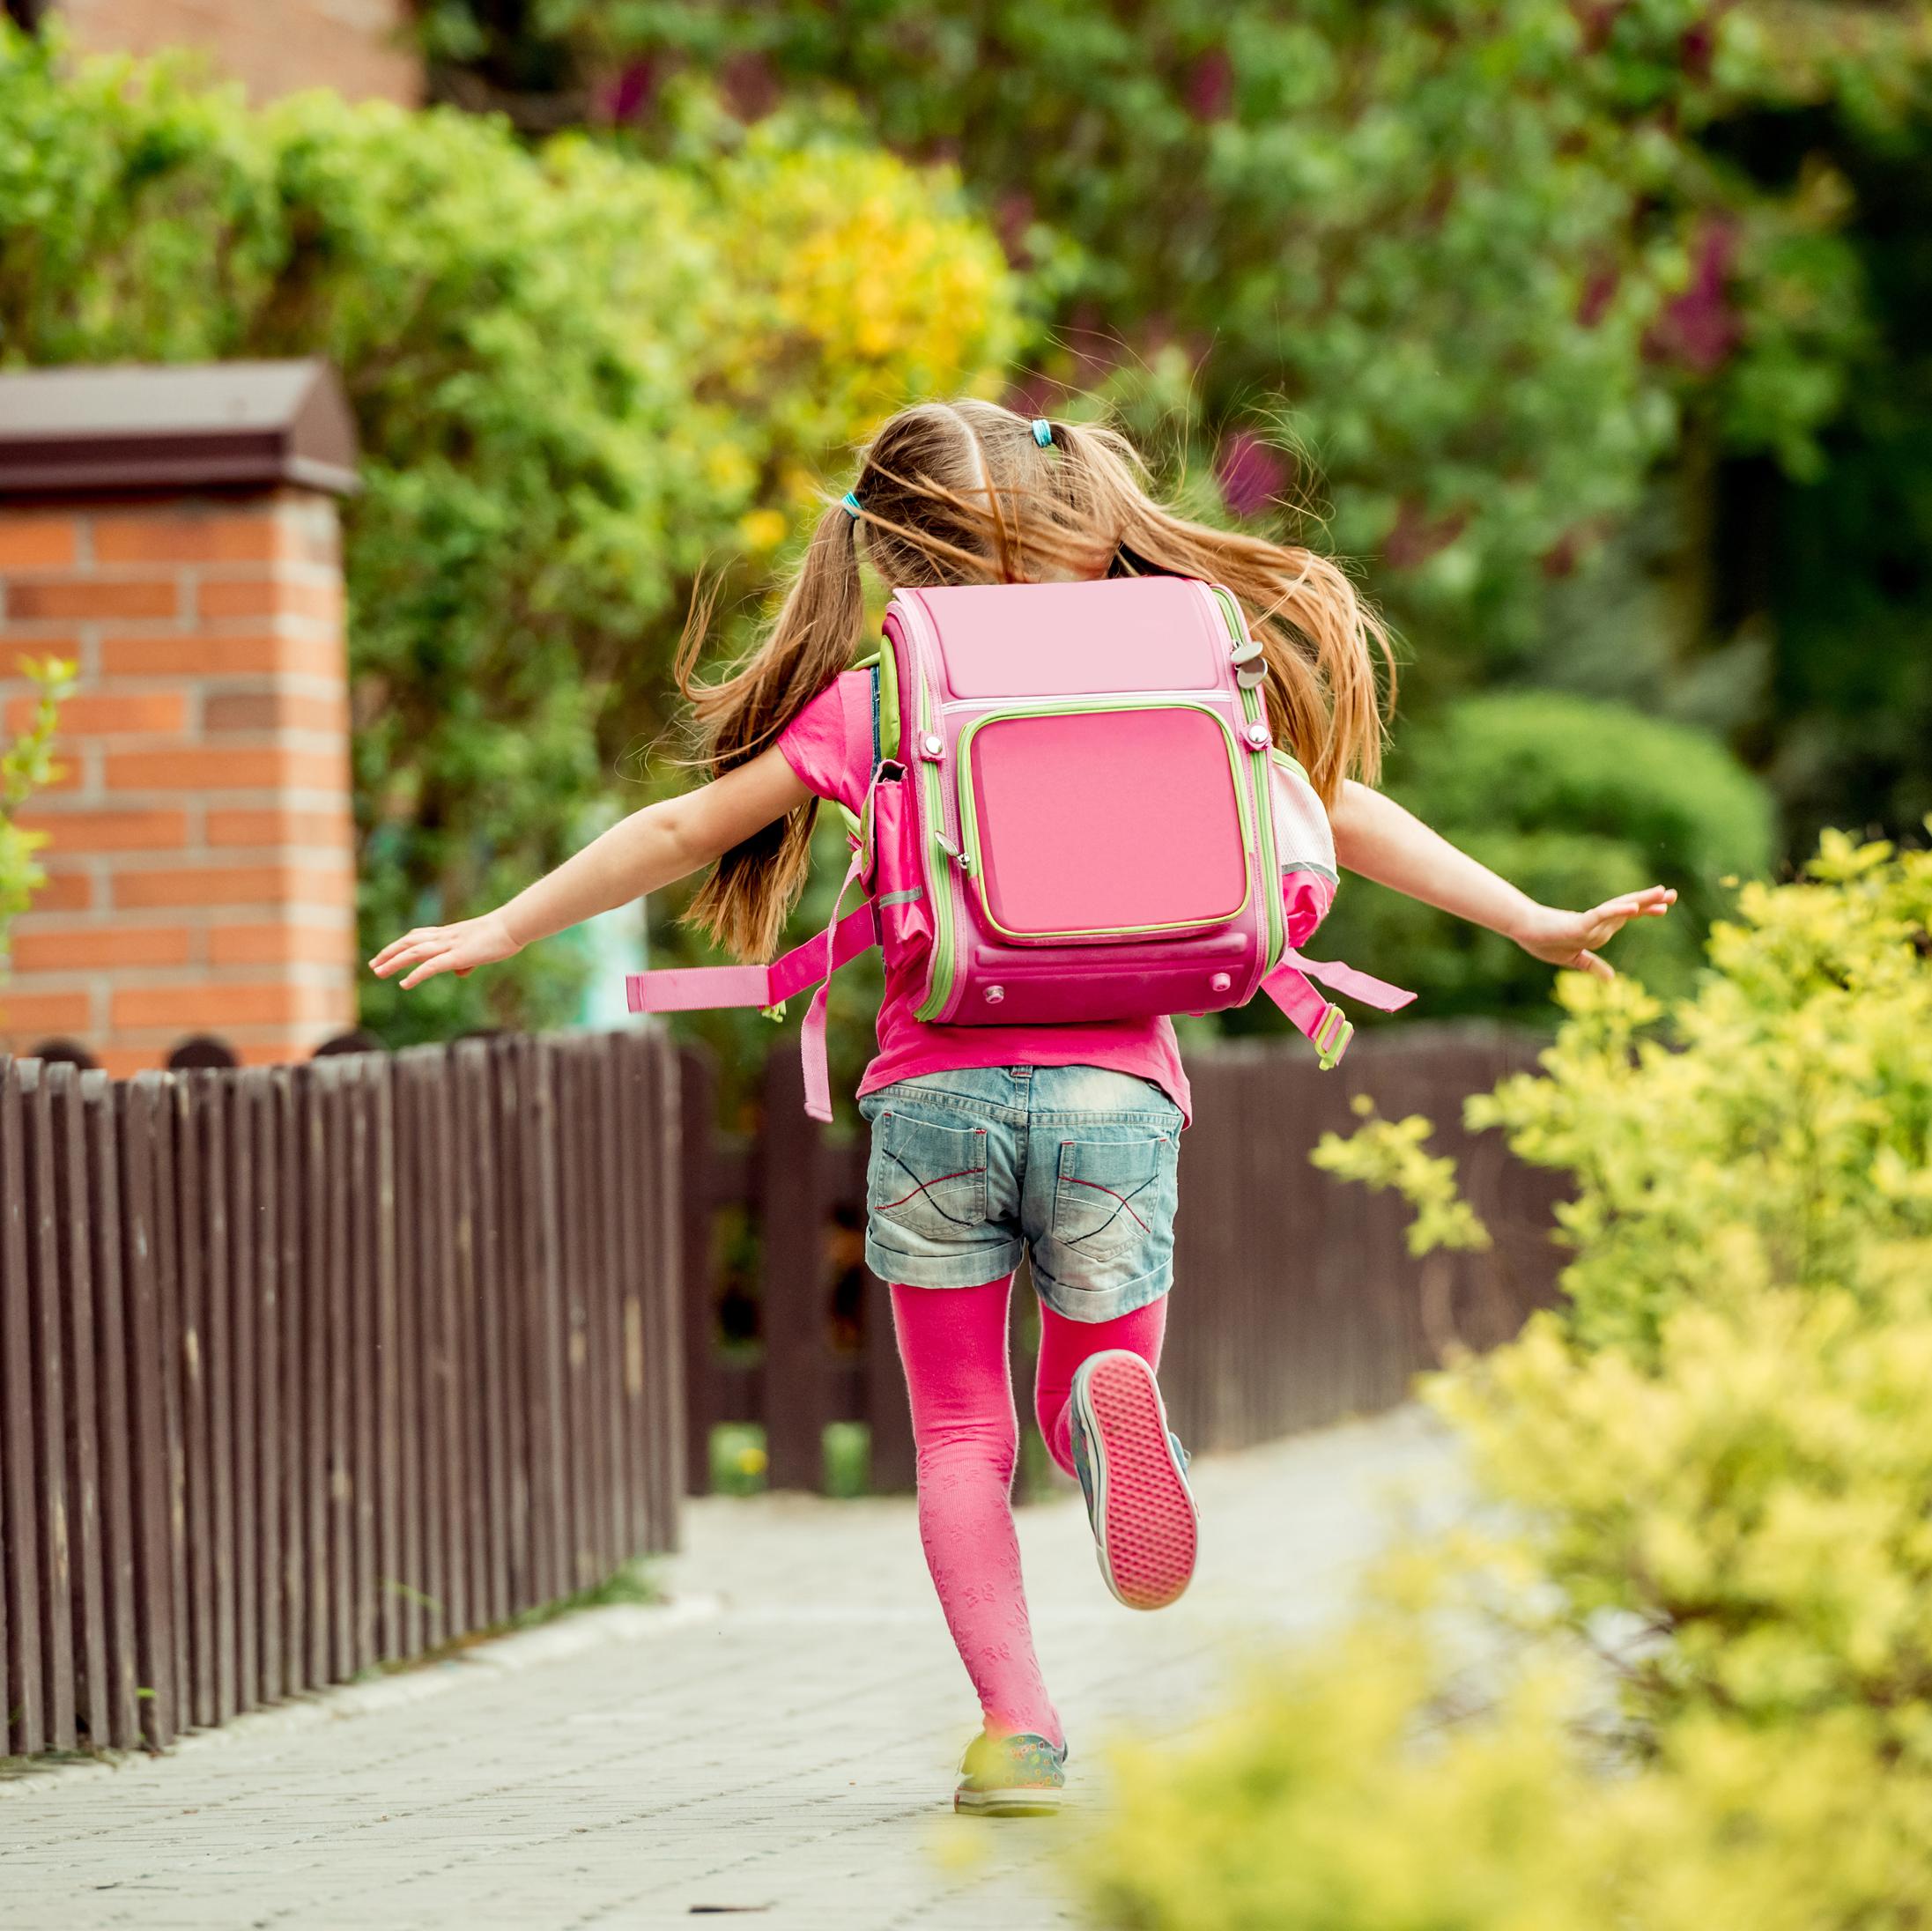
(961, 493)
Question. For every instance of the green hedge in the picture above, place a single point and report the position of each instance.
(578, 377)
(1575, 800)
(1465, 243)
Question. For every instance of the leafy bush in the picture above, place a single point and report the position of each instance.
(1575, 800)
(1680, 1672)
(1467, 244)
(577, 378)
(1349, 1793)
(26, 765)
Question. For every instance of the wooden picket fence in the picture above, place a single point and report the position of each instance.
(1296, 1301)
(308, 1369)
(305, 1370)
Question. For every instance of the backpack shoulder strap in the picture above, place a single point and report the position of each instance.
(884, 673)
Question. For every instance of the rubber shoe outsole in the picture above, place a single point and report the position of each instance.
(1144, 1526)
(1008, 1803)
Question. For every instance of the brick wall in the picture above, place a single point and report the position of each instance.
(273, 46)
(200, 867)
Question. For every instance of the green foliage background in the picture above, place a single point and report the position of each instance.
(579, 377)
(26, 765)
(1587, 330)
(1598, 324)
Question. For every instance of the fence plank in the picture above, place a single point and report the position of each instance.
(73, 1312)
(465, 1469)
(189, 1367)
(548, 1328)
(168, 1293)
(294, 1289)
(422, 1066)
(387, 1421)
(47, 1344)
(445, 1295)
(359, 1072)
(19, 1524)
(311, 1363)
(212, 1093)
(794, 1313)
(265, 1235)
(635, 1207)
(116, 1708)
(143, 1113)
(244, 1095)
(338, 1369)
(412, 1583)
(599, 1141)
(508, 1127)
(665, 1120)
(698, 1162)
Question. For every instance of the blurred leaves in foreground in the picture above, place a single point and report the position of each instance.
(1678, 1671)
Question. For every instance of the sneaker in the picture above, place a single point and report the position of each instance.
(1134, 1474)
(1017, 1776)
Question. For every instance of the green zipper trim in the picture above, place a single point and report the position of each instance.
(969, 816)
(939, 983)
(1256, 710)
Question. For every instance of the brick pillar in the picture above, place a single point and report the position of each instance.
(199, 861)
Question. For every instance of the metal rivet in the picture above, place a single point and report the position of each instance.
(1220, 982)
(1257, 735)
(932, 744)
(995, 994)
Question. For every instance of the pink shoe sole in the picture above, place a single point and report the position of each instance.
(1143, 1514)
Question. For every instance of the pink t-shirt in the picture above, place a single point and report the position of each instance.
(829, 744)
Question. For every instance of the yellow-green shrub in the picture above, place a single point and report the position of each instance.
(1690, 1676)
(26, 765)
(1754, 1495)
(1349, 1793)
(1778, 1128)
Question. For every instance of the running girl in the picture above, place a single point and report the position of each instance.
(969, 493)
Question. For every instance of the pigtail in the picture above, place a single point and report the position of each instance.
(743, 905)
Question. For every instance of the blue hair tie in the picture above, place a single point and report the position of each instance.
(849, 504)
(1042, 431)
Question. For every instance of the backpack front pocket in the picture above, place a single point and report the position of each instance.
(1104, 820)
(927, 1179)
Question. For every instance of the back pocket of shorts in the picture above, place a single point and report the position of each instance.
(929, 1179)
(1108, 1193)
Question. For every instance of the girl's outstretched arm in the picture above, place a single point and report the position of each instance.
(1376, 837)
(638, 855)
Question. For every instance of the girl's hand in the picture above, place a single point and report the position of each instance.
(459, 949)
(1571, 938)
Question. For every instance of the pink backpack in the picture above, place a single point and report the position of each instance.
(1076, 813)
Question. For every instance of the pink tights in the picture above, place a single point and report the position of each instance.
(954, 1343)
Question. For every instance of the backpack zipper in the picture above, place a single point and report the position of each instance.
(939, 870)
(1255, 708)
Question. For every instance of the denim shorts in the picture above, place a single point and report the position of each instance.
(1071, 1166)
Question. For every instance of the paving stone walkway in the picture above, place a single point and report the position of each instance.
(778, 1741)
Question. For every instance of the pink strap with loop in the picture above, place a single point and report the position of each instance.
(1363, 987)
(812, 1038)
(699, 988)
(696, 988)
(1291, 986)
